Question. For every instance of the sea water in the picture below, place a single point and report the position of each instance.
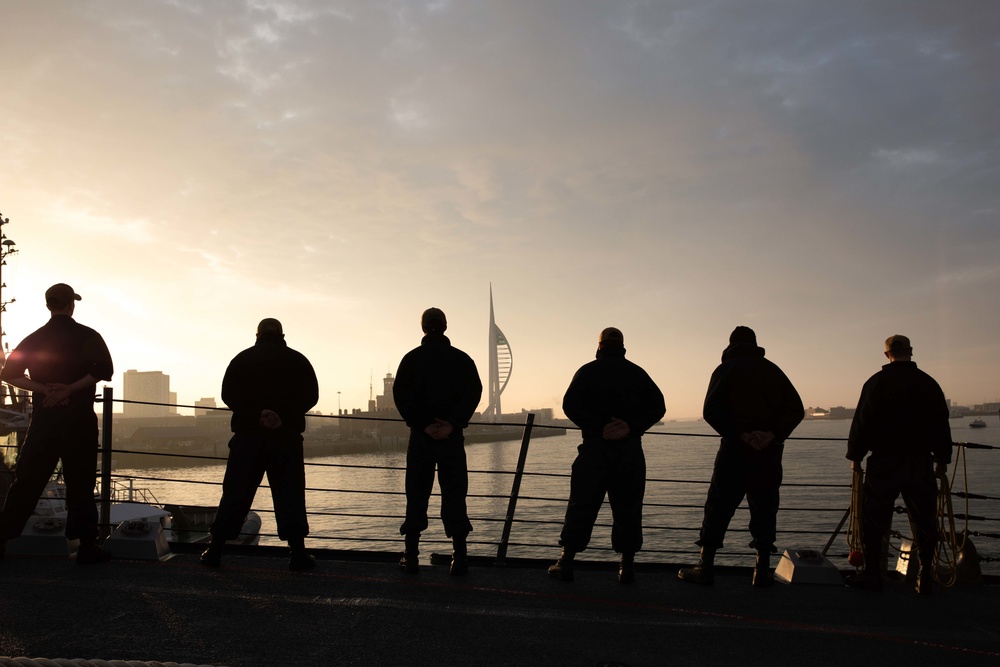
(356, 501)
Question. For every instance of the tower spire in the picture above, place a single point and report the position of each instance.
(501, 362)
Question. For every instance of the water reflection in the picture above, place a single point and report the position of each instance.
(362, 507)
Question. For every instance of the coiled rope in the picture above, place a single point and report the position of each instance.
(77, 662)
(855, 543)
(948, 547)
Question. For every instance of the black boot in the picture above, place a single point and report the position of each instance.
(925, 574)
(870, 578)
(703, 572)
(300, 559)
(626, 568)
(562, 569)
(762, 577)
(459, 557)
(212, 556)
(409, 563)
(90, 552)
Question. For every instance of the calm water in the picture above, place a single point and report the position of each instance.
(356, 501)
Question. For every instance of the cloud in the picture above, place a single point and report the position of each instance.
(672, 165)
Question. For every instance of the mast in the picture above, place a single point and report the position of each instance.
(6, 250)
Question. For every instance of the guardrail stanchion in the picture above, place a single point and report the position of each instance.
(515, 489)
(106, 438)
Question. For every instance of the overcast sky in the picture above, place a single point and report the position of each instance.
(826, 173)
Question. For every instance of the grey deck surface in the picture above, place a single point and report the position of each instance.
(252, 611)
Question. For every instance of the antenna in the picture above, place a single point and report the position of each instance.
(6, 250)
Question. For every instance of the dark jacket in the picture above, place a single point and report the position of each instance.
(749, 393)
(902, 412)
(437, 381)
(272, 376)
(612, 387)
(61, 351)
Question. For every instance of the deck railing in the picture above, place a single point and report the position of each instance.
(109, 478)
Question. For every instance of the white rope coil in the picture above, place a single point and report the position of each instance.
(78, 662)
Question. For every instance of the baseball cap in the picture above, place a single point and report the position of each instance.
(60, 294)
(898, 343)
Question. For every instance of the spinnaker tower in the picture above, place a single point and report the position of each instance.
(501, 362)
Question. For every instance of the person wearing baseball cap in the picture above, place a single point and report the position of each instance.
(61, 363)
(902, 420)
(60, 295)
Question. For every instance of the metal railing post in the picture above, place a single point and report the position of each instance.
(106, 438)
(515, 489)
(836, 531)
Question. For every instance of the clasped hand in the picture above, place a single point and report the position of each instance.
(270, 419)
(616, 429)
(56, 395)
(758, 440)
(439, 430)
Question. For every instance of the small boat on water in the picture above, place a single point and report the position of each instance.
(181, 523)
(977, 423)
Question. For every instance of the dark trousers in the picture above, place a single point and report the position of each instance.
(886, 478)
(742, 472)
(251, 456)
(617, 470)
(66, 436)
(422, 456)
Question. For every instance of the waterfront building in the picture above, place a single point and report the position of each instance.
(840, 412)
(203, 406)
(384, 401)
(148, 387)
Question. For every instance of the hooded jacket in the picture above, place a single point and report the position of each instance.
(749, 393)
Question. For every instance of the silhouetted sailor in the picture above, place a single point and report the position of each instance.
(754, 407)
(269, 387)
(902, 419)
(614, 402)
(65, 361)
(437, 390)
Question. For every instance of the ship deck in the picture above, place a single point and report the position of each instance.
(358, 609)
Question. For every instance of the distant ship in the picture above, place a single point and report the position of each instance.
(977, 423)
